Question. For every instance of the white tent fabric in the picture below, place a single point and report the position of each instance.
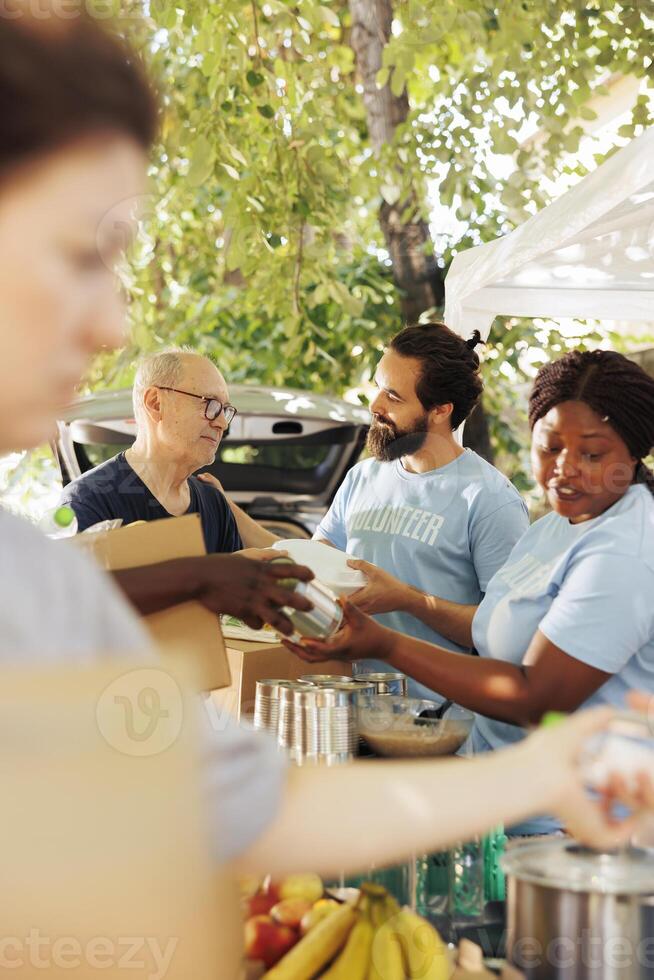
(588, 254)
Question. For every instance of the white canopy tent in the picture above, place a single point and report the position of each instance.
(588, 254)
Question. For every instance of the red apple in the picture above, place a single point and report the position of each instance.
(289, 911)
(266, 940)
(262, 902)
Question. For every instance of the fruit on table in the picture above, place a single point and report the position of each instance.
(308, 886)
(386, 961)
(354, 962)
(372, 940)
(318, 911)
(263, 900)
(315, 950)
(267, 940)
(425, 951)
(290, 911)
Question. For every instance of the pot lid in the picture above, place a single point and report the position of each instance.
(565, 864)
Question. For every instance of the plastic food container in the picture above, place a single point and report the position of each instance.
(329, 565)
(393, 727)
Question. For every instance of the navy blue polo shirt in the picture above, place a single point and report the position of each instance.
(114, 490)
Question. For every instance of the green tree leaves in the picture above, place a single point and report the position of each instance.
(264, 246)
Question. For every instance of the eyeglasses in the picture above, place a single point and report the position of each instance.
(212, 408)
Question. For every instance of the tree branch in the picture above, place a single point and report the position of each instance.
(297, 306)
(253, 4)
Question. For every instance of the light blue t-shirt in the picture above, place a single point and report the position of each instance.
(590, 589)
(445, 532)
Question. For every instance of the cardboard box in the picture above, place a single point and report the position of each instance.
(104, 828)
(250, 662)
(188, 626)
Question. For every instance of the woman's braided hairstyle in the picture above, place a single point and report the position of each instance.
(617, 389)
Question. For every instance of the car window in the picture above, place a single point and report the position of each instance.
(304, 466)
(92, 454)
(279, 456)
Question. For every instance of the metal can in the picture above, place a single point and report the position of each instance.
(326, 616)
(266, 703)
(326, 723)
(286, 714)
(325, 680)
(626, 748)
(384, 683)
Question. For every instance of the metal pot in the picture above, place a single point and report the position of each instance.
(578, 914)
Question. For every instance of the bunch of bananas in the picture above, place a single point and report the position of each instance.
(372, 940)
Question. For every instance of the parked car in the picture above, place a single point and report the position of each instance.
(282, 460)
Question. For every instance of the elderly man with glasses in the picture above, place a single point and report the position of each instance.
(181, 407)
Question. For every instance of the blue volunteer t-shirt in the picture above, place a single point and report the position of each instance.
(590, 589)
(445, 532)
(114, 490)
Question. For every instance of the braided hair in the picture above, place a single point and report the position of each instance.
(616, 389)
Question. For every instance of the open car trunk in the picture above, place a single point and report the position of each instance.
(282, 459)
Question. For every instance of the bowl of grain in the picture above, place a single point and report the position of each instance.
(397, 727)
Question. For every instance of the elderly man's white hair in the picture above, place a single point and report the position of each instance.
(161, 370)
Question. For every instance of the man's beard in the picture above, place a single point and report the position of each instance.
(386, 442)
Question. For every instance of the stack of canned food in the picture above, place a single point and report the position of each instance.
(315, 717)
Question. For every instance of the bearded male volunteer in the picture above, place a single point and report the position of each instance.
(428, 521)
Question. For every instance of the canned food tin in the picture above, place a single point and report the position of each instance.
(325, 680)
(266, 703)
(286, 714)
(326, 616)
(326, 729)
(384, 683)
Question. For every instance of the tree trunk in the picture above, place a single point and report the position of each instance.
(416, 274)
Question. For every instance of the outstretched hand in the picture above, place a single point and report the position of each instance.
(358, 638)
(558, 753)
(250, 590)
(382, 592)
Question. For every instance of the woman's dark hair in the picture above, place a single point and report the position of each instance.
(61, 79)
(616, 389)
(450, 367)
